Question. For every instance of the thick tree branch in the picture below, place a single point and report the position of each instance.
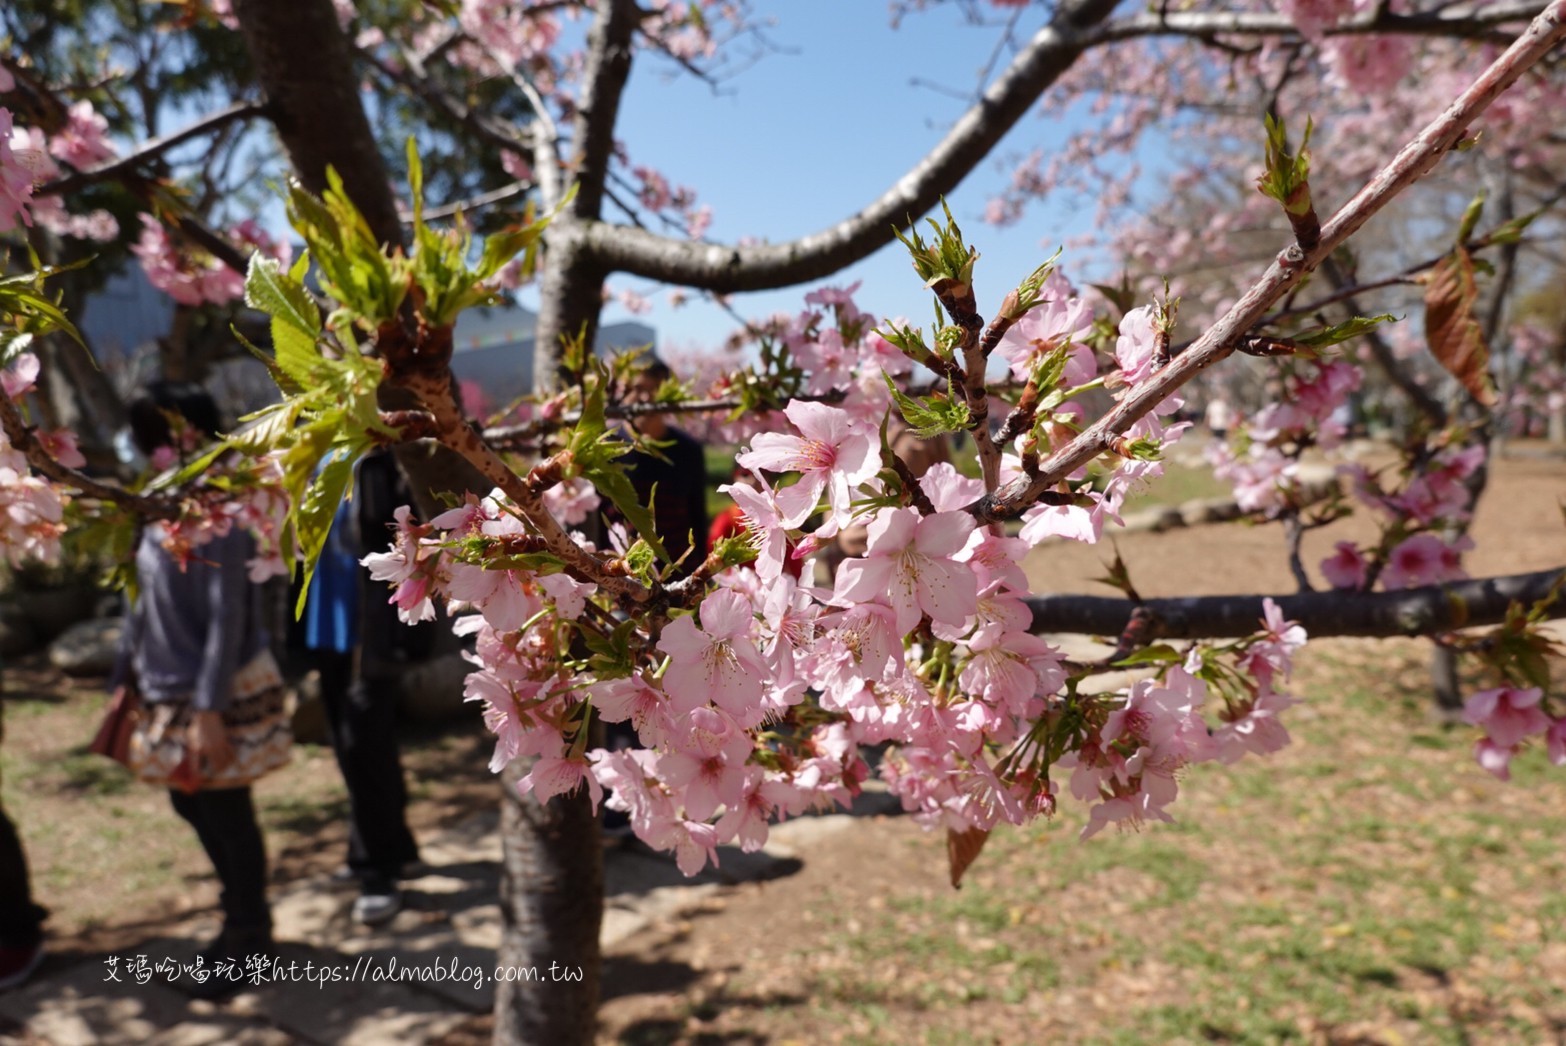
(727, 268)
(1412, 162)
(1410, 612)
(23, 439)
(1467, 20)
(610, 45)
(151, 150)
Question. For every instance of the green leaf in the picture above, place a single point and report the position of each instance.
(735, 551)
(285, 384)
(639, 559)
(931, 417)
(296, 323)
(613, 483)
(1029, 292)
(1471, 215)
(281, 296)
(1511, 232)
(1321, 337)
(1122, 297)
(501, 247)
(416, 182)
(313, 519)
(946, 261)
(594, 451)
(1287, 174)
(12, 345)
(1158, 653)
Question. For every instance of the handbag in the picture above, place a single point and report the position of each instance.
(119, 722)
(257, 723)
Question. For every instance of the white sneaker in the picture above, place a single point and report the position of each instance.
(373, 909)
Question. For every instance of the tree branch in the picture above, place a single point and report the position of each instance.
(473, 203)
(498, 133)
(1474, 20)
(1412, 162)
(22, 438)
(151, 150)
(610, 45)
(1410, 612)
(730, 268)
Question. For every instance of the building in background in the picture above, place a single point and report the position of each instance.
(492, 349)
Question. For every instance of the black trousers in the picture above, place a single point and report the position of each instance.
(21, 921)
(225, 822)
(364, 739)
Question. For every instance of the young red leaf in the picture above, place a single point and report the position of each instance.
(1456, 338)
(962, 849)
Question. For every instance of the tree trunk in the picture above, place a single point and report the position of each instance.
(551, 904)
(553, 868)
(1444, 678)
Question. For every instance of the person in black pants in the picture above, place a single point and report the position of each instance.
(21, 921)
(192, 626)
(675, 481)
(357, 639)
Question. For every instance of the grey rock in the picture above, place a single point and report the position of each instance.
(87, 648)
(1198, 511)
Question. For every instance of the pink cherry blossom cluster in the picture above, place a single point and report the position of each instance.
(1062, 323)
(193, 277)
(18, 173)
(1509, 716)
(1262, 459)
(253, 498)
(1421, 521)
(27, 160)
(835, 352)
(757, 704)
(675, 204)
(1535, 398)
(1128, 764)
(31, 508)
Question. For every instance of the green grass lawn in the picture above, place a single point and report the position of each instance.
(1368, 885)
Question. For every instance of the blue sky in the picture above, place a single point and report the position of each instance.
(811, 134)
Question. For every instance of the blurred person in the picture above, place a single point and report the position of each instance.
(672, 475)
(350, 632)
(21, 920)
(673, 478)
(212, 714)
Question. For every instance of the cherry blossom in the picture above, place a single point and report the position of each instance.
(17, 177)
(909, 565)
(1508, 715)
(831, 454)
(718, 660)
